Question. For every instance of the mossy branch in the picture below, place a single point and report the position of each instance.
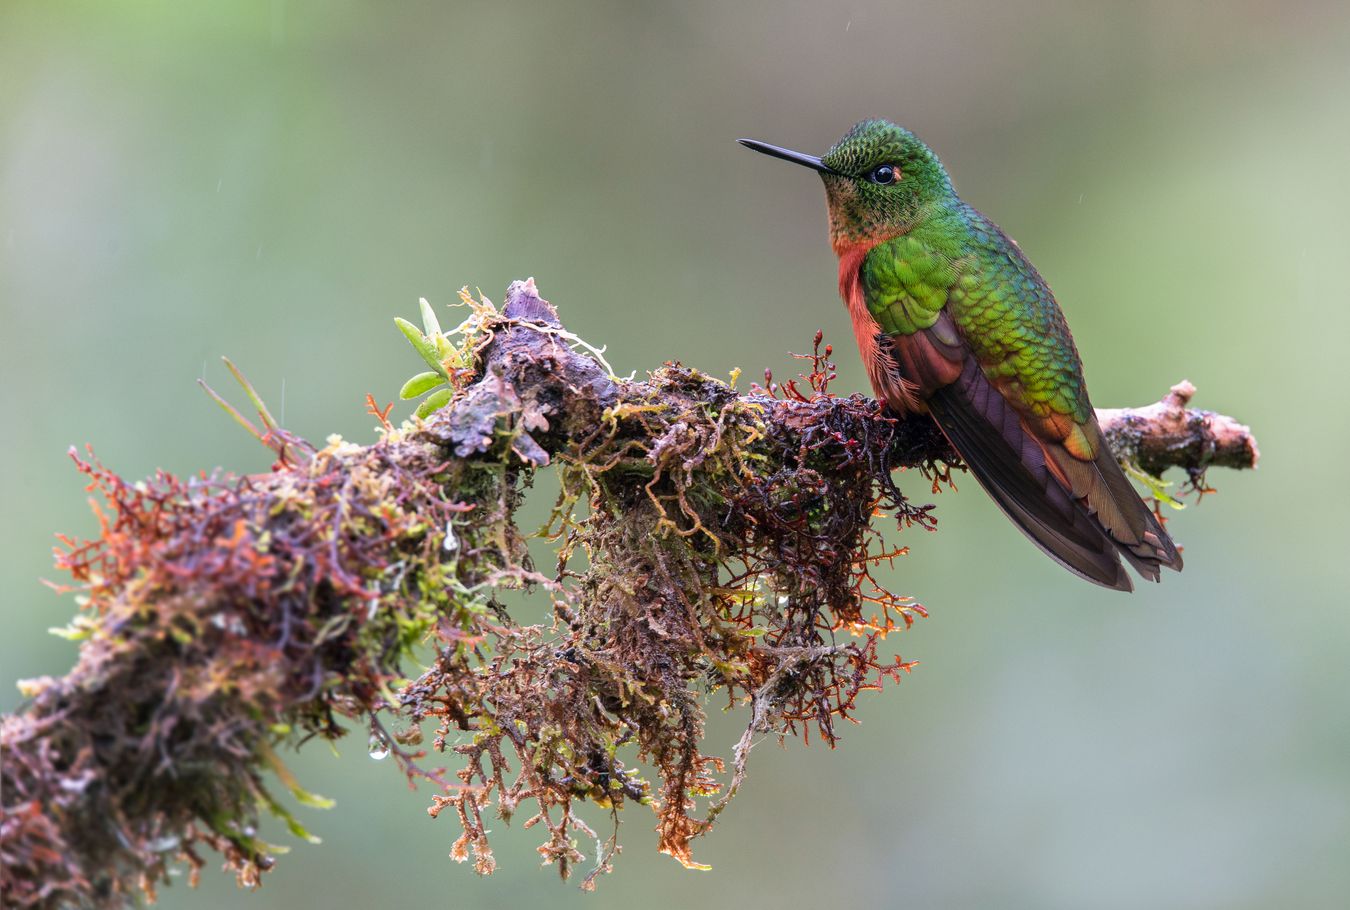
(706, 540)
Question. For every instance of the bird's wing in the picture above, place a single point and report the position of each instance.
(1011, 400)
(1008, 461)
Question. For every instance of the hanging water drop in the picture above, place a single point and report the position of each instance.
(379, 749)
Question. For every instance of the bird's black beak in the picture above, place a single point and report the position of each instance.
(774, 151)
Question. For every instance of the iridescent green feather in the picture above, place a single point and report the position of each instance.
(1004, 309)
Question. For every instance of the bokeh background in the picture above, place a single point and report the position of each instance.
(277, 180)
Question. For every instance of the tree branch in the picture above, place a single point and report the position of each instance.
(707, 540)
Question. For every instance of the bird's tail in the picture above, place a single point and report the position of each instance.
(1084, 514)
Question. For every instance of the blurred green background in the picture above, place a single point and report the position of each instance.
(277, 180)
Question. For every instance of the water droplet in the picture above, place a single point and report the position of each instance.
(379, 749)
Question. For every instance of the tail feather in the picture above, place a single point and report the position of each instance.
(1108, 496)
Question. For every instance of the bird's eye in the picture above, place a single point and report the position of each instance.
(885, 175)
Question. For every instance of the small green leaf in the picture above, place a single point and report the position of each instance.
(231, 410)
(268, 421)
(422, 345)
(313, 800)
(446, 348)
(429, 321)
(305, 798)
(419, 385)
(79, 629)
(433, 403)
(1157, 487)
(413, 333)
(290, 821)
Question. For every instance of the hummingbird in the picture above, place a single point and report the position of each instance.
(953, 321)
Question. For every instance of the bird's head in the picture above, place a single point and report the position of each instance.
(879, 179)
